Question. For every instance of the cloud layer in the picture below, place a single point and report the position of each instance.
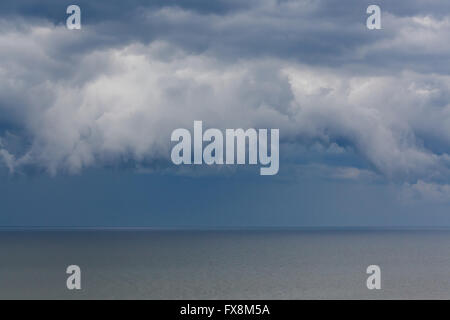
(113, 92)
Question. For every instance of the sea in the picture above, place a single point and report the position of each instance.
(225, 264)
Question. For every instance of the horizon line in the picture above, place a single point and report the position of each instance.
(223, 228)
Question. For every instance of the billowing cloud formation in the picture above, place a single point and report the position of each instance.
(114, 91)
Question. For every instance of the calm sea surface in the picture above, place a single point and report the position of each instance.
(225, 264)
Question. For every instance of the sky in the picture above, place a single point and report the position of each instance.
(86, 115)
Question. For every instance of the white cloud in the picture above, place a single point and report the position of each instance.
(429, 192)
(7, 159)
(114, 104)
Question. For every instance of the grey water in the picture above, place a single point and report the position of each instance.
(225, 264)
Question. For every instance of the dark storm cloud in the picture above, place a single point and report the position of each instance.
(341, 95)
(99, 11)
(323, 32)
